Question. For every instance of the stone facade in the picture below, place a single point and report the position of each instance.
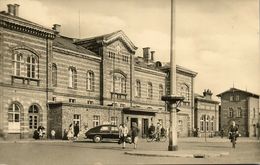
(51, 80)
(206, 115)
(243, 108)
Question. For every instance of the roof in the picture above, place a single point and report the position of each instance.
(109, 38)
(180, 68)
(68, 43)
(237, 90)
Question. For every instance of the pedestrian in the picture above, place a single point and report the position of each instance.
(70, 133)
(233, 131)
(158, 131)
(53, 134)
(123, 134)
(76, 131)
(221, 133)
(36, 134)
(65, 134)
(151, 130)
(134, 133)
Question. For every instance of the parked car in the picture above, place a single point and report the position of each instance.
(108, 131)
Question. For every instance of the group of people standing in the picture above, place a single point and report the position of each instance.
(72, 133)
(124, 132)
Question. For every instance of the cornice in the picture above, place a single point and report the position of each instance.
(24, 26)
(146, 70)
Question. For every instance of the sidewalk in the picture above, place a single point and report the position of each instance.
(217, 139)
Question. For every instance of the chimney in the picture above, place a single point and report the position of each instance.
(10, 9)
(16, 10)
(207, 94)
(152, 55)
(146, 54)
(56, 28)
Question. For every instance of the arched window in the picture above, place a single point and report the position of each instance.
(72, 77)
(160, 91)
(185, 92)
(118, 83)
(14, 111)
(149, 90)
(212, 123)
(207, 123)
(90, 81)
(230, 112)
(31, 66)
(54, 75)
(202, 123)
(33, 117)
(138, 88)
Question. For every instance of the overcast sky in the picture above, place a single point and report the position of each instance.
(219, 39)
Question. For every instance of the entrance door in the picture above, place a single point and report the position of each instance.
(144, 127)
(134, 120)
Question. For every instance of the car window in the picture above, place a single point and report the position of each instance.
(104, 129)
(114, 129)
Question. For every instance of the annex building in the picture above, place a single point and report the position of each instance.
(51, 80)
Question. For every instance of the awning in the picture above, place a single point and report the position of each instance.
(139, 111)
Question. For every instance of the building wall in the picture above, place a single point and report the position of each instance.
(62, 92)
(24, 91)
(253, 117)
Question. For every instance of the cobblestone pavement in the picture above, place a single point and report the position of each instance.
(30, 152)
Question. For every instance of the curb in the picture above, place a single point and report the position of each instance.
(183, 154)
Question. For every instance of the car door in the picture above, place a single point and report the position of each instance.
(114, 132)
(105, 131)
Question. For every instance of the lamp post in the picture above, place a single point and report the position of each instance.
(173, 100)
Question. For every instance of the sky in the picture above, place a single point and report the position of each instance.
(217, 39)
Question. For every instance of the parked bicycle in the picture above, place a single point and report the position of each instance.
(154, 137)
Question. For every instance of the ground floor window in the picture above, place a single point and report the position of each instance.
(76, 119)
(113, 120)
(96, 120)
(201, 124)
(14, 118)
(33, 117)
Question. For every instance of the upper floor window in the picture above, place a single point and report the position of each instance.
(230, 112)
(90, 81)
(118, 83)
(160, 91)
(149, 90)
(231, 98)
(237, 97)
(72, 77)
(239, 112)
(138, 88)
(54, 75)
(185, 92)
(25, 64)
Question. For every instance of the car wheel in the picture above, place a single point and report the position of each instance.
(97, 139)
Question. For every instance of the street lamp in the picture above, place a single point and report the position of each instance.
(173, 99)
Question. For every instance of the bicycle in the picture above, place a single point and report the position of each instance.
(153, 137)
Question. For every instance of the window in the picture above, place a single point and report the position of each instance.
(14, 118)
(230, 112)
(72, 77)
(237, 97)
(33, 117)
(72, 100)
(90, 102)
(90, 81)
(114, 120)
(25, 64)
(31, 66)
(76, 119)
(239, 112)
(104, 129)
(96, 120)
(17, 63)
(207, 123)
(212, 123)
(54, 75)
(54, 99)
(185, 92)
(231, 98)
(253, 112)
(160, 91)
(138, 88)
(202, 123)
(118, 83)
(111, 55)
(149, 90)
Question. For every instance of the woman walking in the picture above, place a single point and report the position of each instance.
(123, 134)
(135, 132)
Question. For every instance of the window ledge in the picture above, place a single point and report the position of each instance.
(26, 80)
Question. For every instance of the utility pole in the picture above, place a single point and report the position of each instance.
(173, 99)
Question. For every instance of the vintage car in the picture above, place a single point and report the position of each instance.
(108, 131)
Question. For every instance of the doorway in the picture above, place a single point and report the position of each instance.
(144, 127)
(134, 120)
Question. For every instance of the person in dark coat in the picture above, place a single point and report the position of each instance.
(134, 133)
(36, 134)
(76, 131)
(233, 130)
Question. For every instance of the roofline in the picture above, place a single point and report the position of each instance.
(181, 68)
(253, 94)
